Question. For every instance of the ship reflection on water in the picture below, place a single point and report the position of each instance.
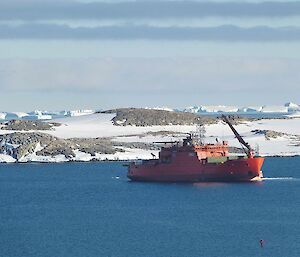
(218, 184)
(209, 184)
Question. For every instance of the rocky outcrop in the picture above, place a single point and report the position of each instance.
(269, 134)
(19, 145)
(94, 145)
(27, 125)
(58, 147)
(150, 117)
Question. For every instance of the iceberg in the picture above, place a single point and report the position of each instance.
(292, 107)
(211, 109)
(274, 109)
(2, 115)
(15, 115)
(251, 109)
(287, 108)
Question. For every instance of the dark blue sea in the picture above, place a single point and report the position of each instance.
(90, 209)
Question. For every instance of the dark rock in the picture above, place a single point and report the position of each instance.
(27, 125)
(149, 117)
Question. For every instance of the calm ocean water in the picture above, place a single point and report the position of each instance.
(90, 209)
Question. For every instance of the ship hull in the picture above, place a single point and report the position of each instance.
(194, 170)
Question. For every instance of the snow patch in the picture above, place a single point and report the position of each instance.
(160, 109)
(79, 113)
(36, 158)
(4, 158)
(82, 156)
(101, 125)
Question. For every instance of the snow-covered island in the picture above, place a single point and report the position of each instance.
(128, 134)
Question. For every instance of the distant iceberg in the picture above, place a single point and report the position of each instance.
(211, 109)
(37, 115)
(287, 108)
(292, 107)
(43, 115)
(193, 109)
(2, 115)
(251, 109)
(15, 115)
(274, 109)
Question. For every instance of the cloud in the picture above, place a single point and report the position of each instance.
(148, 75)
(106, 82)
(221, 33)
(47, 10)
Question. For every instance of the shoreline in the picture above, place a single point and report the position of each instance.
(119, 161)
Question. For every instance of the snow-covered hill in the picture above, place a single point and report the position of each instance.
(100, 125)
(271, 136)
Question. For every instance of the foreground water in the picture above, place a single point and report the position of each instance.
(90, 209)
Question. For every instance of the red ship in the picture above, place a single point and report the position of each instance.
(191, 162)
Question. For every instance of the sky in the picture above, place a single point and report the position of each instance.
(101, 54)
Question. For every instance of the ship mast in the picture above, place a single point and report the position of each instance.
(200, 134)
(249, 150)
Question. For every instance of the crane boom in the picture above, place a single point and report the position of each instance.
(249, 151)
